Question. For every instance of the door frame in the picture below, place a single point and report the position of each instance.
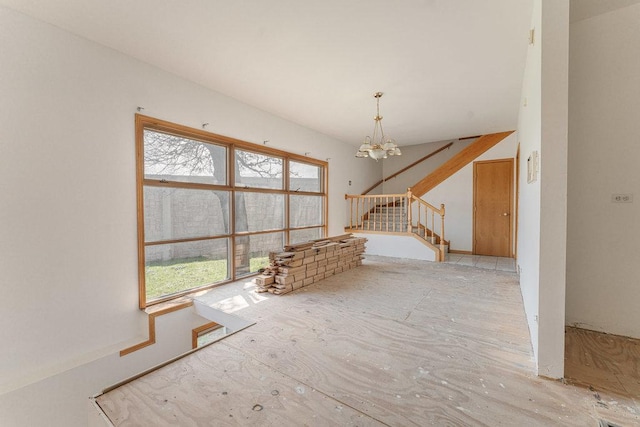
(517, 204)
(511, 216)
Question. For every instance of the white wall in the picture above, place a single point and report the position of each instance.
(603, 250)
(553, 186)
(397, 247)
(61, 400)
(529, 131)
(67, 178)
(412, 153)
(456, 192)
(542, 220)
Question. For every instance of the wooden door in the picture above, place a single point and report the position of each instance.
(492, 201)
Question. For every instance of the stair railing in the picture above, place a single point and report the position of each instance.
(378, 212)
(406, 168)
(431, 230)
(397, 213)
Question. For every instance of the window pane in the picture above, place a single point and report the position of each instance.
(301, 236)
(180, 213)
(259, 211)
(178, 267)
(258, 170)
(176, 158)
(252, 252)
(305, 177)
(305, 211)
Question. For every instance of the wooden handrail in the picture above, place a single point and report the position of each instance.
(393, 213)
(439, 211)
(444, 147)
(458, 161)
(370, 196)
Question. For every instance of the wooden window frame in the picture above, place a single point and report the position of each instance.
(143, 122)
(202, 330)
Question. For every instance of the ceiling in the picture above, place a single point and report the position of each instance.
(448, 68)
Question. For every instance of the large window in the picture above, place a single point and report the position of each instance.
(211, 208)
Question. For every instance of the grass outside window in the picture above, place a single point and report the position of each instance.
(170, 277)
(211, 208)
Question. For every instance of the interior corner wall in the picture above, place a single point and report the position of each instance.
(542, 128)
(603, 251)
(553, 186)
(406, 247)
(61, 399)
(68, 251)
(412, 153)
(456, 193)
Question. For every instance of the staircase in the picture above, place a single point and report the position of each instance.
(407, 214)
(399, 214)
(390, 219)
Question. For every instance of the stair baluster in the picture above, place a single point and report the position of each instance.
(394, 213)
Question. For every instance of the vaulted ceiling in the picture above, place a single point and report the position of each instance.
(448, 68)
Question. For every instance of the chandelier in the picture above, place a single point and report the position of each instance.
(377, 146)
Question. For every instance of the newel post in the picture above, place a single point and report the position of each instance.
(346, 197)
(442, 230)
(409, 226)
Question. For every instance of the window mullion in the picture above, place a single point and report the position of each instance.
(184, 197)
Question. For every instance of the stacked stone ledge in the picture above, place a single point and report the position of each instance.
(306, 263)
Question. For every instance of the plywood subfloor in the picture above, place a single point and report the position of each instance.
(608, 364)
(394, 342)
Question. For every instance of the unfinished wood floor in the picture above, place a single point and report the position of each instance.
(609, 364)
(394, 342)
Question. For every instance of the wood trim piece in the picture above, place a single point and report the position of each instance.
(408, 167)
(369, 196)
(325, 191)
(153, 313)
(287, 201)
(455, 251)
(252, 233)
(457, 162)
(186, 185)
(231, 250)
(197, 331)
(431, 233)
(139, 136)
(191, 239)
(439, 256)
(216, 187)
(511, 204)
(307, 227)
(366, 231)
(439, 211)
(212, 138)
(517, 203)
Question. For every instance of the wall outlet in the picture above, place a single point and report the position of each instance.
(622, 198)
